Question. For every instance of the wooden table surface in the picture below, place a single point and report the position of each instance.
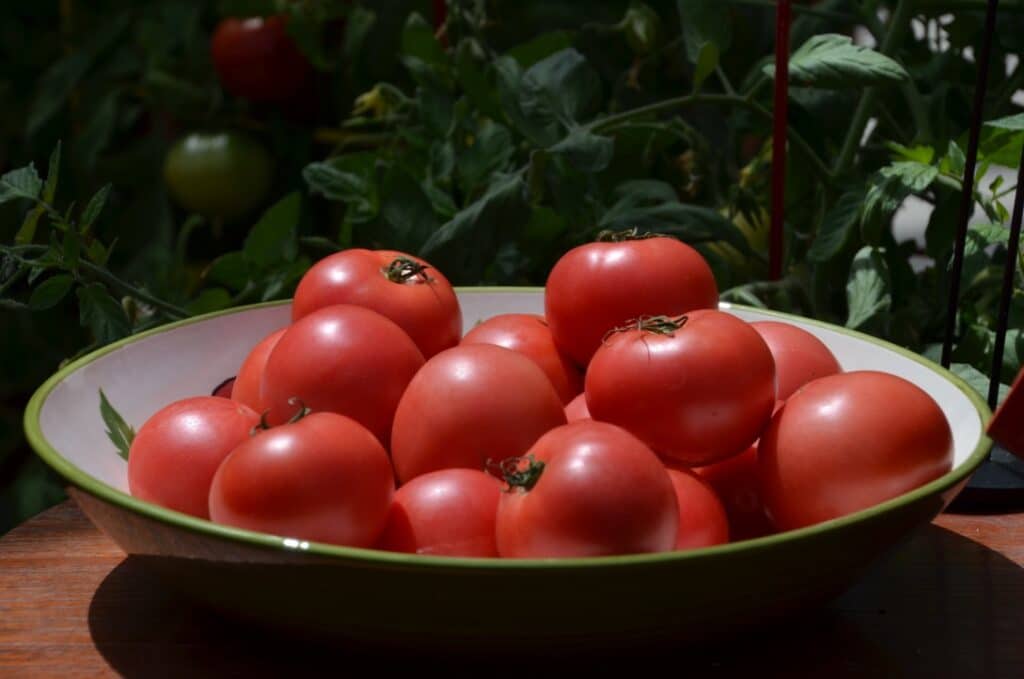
(947, 603)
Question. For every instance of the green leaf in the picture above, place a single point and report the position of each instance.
(358, 25)
(707, 60)
(916, 176)
(503, 202)
(472, 76)
(27, 231)
(881, 202)
(642, 26)
(52, 175)
(94, 207)
(704, 21)
(541, 47)
(867, 289)
(102, 314)
(563, 88)
(274, 237)
(922, 154)
(97, 132)
(50, 292)
(118, 431)
(584, 150)
(406, 212)
(349, 179)
(942, 224)
(487, 150)
(72, 249)
(211, 299)
(832, 61)
(21, 183)
(418, 41)
(955, 159)
(539, 130)
(1014, 123)
(836, 227)
(230, 270)
(977, 380)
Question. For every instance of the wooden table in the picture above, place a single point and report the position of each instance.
(948, 603)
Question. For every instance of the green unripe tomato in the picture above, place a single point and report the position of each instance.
(220, 175)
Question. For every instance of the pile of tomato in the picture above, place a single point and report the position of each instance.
(633, 417)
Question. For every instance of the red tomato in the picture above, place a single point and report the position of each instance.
(696, 388)
(256, 59)
(577, 409)
(449, 512)
(342, 359)
(702, 518)
(529, 335)
(403, 288)
(600, 286)
(799, 356)
(177, 451)
(250, 375)
(324, 478)
(472, 404)
(224, 388)
(735, 482)
(587, 489)
(847, 442)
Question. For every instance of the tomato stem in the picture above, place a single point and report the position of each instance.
(610, 236)
(656, 325)
(405, 270)
(301, 412)
(518, 472)
(262, 425)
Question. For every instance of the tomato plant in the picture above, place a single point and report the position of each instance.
(587, 489)
(220, 175)
(529, 335)
(178, 449)
(847, 442)
(696, 388)
(799, 356)
(256, 59)
(470, 405)
(246, 388)
(599, 286)
(702, 518)
(324, 478)
(449, 512)
(403, 288)
(342, 359)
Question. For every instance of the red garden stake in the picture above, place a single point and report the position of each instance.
(780, 116)
(1007, 425)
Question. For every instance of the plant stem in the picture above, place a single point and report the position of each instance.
(724, 79)
(799, 143)
(893, 37)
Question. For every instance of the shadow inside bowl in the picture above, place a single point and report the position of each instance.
(938, 605)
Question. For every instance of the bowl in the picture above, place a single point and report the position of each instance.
(442, 602)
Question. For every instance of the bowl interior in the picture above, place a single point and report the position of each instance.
(141, 377)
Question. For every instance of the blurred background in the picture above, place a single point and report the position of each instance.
(164, 159)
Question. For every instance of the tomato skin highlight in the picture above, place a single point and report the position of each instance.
(425, 306)
(601, 492)
(698, 394)
(735, 482)
(702, 518)
(256, 59)
(250, 375)
(800, 357)
(471, 404)
(342, 359)
(846, 442)
(176, 452)
(596, 287)
(449, 512)
(528, 334)
(324, 478)
(577, 409)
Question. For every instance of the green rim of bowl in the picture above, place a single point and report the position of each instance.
(109, 494)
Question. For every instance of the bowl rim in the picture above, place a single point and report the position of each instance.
(92, 485)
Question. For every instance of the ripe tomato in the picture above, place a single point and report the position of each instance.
(472, 404)
(222, 175)
(529, 335)
(177, 451)
(247, 384)
(799, 356)
(587, 489)
(323, 478)
(847, 442)
(702, 518)
(577, 409)
(342, 359)
(256, 59)
(735, 482)
(401, 287)
(696, 388)
(600, 286)
(224, 388)
(449, 512)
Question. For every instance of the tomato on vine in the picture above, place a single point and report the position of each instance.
(256, 59)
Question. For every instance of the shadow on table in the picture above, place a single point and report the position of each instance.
(939, 606)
